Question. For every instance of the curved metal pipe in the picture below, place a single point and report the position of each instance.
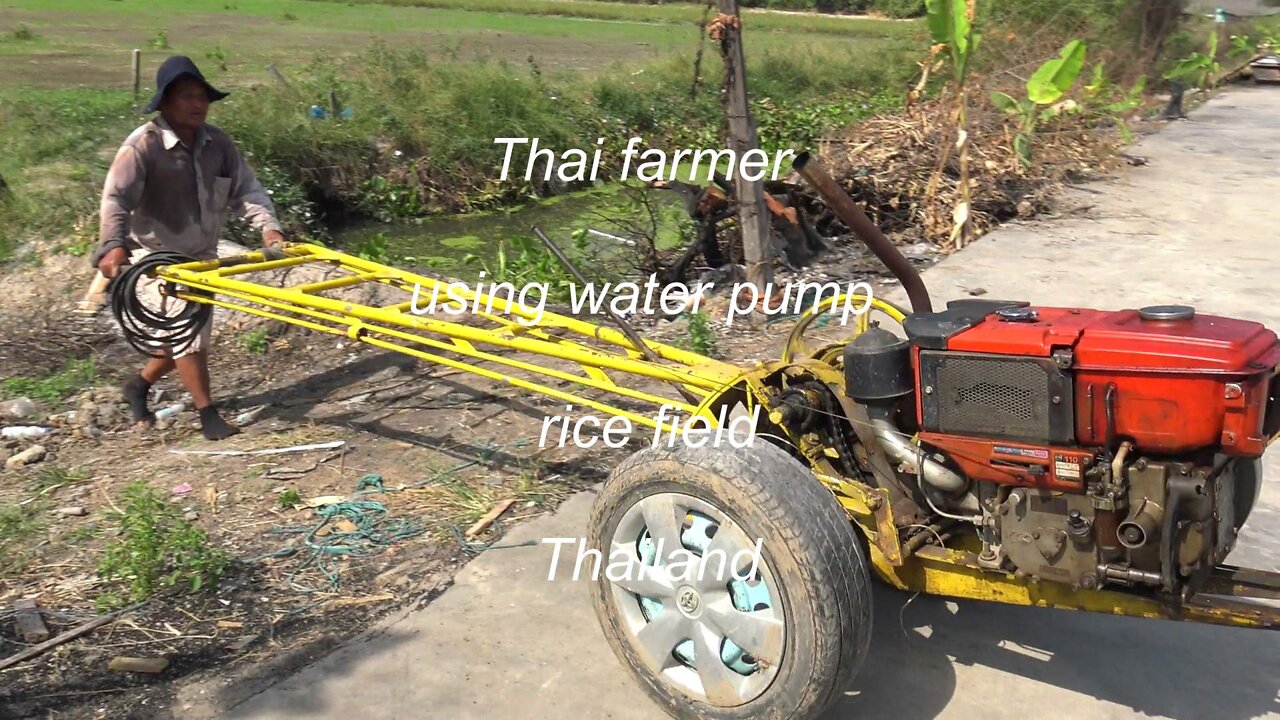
(1117, 465)
(934, 473)
(848, 211)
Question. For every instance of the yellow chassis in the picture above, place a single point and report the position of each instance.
(572, 357)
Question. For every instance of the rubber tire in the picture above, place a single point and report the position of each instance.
(1248, 490)
(810, 544)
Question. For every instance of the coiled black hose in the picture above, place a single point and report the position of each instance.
(148, 331)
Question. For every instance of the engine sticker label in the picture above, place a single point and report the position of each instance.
(1021, 452)
(1067, 470)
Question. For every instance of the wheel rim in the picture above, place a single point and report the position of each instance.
(691, 584)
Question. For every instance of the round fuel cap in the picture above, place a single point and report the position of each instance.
(1167, 312)
(1017, 314)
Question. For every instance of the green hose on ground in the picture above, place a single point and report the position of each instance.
(368, 531)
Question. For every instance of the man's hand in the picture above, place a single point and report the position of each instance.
(273, 245)
(272, 238)
(110, 263)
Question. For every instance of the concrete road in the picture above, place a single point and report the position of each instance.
(1196, 225)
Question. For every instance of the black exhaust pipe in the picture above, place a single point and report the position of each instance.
(848, 211)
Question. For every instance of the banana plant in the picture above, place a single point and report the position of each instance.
(1200, 68)
(951, 25)
(1046, 89)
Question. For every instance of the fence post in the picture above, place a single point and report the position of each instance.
(137, 73)
(753, 219)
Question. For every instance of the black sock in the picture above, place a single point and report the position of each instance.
(135, 392)
(213, 427)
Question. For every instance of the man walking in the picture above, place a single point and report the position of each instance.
(170, 188)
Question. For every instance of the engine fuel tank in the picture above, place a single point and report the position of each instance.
(1176, 380)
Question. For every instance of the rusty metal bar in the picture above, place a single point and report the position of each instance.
(1243, 583)
(848, 211)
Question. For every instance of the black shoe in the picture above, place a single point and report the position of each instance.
(213, 427)
(135, 392)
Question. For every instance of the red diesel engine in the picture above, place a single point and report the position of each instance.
(1088, 447)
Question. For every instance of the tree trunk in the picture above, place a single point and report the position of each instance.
(757, 242)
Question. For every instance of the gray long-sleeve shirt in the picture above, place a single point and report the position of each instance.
(160, 195)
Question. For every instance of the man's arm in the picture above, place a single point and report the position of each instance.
(121, 193)
(251, 202)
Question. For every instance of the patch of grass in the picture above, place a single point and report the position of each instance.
(374, 249)
(74, 376)
(460, 501)
(218, 56)
(438, 119)
(700, 336)
(156, 550)
(79, 245)
(603, 22)
(55, 147)
(289, 498)
(20, 527)
(899, 8)
(532, 486)
(51, 476)
(669, 13)
(159, 41)
(22, 33)
(256, 341)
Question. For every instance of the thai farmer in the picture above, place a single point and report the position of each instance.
(170, 188)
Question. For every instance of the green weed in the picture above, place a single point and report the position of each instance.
(289, 498)
(700, 336)
(75, 375)
(523, 261)
(78, 247)
(374, 249)
(156, 550)
(159, 41)
(1200, 68)
(20, 525)
(256, 341)
(51, 476)
(389, 201)
(22, 32)
(219, 56)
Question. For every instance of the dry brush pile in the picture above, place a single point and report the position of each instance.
(1048, 99)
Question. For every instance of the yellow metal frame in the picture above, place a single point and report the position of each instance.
(599, 354)
(951, 572)
(795, 339)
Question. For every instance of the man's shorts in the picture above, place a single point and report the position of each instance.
(149, 290)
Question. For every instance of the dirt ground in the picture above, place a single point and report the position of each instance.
(444, 446)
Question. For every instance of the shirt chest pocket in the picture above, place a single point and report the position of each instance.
(221, 194)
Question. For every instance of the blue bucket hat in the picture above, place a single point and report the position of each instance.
(174, 69)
